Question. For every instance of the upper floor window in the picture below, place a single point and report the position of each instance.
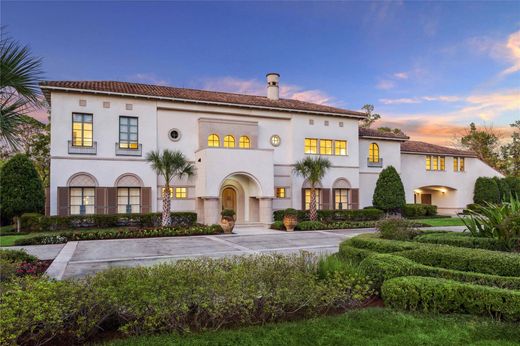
(244, 142)
(82, 129)
(373, 152)
(229, 141)
(181, 192)
(340, 148)
(280, 192)
(458, 164)
(311, 146)
(213, 140)
(82, 200)
(128, 133)
(435, 163)
(325, 147)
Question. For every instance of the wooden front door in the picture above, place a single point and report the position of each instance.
(229, 199)
(426, 198)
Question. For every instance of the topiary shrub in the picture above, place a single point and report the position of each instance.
(396, 228)
(21, 189)
(514, 185)
(389, 192)
(504, 192)
(486, 190)
(278, 225)
(419, 210)
(310, 226)
(463, 240)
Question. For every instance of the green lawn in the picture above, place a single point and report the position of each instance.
(8, 240)
(374, 326)
(440, 222)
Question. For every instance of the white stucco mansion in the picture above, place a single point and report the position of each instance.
(243, 147)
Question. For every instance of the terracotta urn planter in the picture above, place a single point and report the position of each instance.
(290, 222)
(227, 221)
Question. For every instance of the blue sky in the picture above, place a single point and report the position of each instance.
(428, 67)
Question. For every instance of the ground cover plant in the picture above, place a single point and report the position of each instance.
(19, 263)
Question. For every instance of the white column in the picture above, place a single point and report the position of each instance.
(211, 210)
(266, 210)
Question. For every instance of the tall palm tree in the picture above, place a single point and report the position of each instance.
(19, 92)
(312, 169)
(169, 164)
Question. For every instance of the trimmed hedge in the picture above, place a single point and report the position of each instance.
(120, 234)
(389, 191)
(353, 253)
(37, 222)
(486, 190)
(447, 296)
(370, 214)
(382, 267)
(419, 210)
(373, 243)
(310, 225)
(471, 260)
(462, 240)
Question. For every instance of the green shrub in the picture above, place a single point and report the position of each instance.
(353, 254)
(513, 184)
(370, 214)
(462, 240)
(504, 192)
(419, 210)
(310, 226)
(464, 259)
(228, 213)
(373, 243)
(21, 189)
(396, 228)
(389, 191)
(447, 296)
(7, 271)
(16, 256)
(351, 224)
(290, 212)
(302, 215)
(278, 225)
(486, 190)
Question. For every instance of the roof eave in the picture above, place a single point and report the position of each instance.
(432, 153)
(402, 139)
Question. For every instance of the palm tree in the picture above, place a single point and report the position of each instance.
(170, 165)
(312, 169)
(19, 91)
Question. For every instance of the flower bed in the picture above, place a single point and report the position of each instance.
(19, 263)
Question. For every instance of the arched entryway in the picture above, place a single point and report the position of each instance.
(241, 192)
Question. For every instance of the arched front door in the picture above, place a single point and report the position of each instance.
(229, 199)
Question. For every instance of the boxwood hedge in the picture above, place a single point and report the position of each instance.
(370, 214)
(462, 240)
(374, 243)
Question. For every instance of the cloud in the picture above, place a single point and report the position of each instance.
(399, 101)
(401, 75)
(147, 78)
(385, 84)
(420, 99)
(513, 45)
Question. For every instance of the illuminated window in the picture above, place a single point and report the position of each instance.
(229, 141)
(164, 189)
(82, 130)
(435, 163)
(325, 147)
(442, 163)
(428, 163)
(82, 200)
(340, 199)
(181, 192)
(455, 164)
(128, 200)
(340, 148)
(373, 152)
(280, 192)
(311, 146)
(461, 164)
(213, 140)
(244, 142)
(308, 198)
(128, 133)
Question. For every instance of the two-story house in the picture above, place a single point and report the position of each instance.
(244, 148)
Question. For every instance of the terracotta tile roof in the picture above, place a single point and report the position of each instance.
(371, 133)
(194, 95)
(427, 148)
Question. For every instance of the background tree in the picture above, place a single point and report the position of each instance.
(21, 189)
(486, 190)
(313, 170)
(371, 116)
(391, 130)
(389, 192)
(19, 91)
(510, 153)
(483, 142)
(169, 165)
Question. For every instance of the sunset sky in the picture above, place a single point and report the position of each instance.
(429, 68)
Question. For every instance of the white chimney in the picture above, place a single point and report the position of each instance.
(273, 91)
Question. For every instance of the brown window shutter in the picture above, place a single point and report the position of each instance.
(101, 196)
(354, 197)
(146, 199)
(303, 199)
(63, 201)
(111, 200)
(325, 199)
(47, 201)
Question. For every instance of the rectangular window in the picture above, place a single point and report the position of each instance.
(82, 129)
(280, 192)
(455, 164)
(325, 147)
(171, 191)
(181, 192)
(128, 133)
(428, 163)
(435, 163)
(462, 164)
(311, 146)
(128, 200)
(317, 193)
(340, 199)
(82, 200)
(340, 148)
(442, 163)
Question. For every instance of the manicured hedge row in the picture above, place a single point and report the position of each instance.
(382, 267)
(120, 234)
(352, 253)
(318, 225)
(373, 243)
(447, 296)
(416, 210)
(336, 215)
(462, 240)
(37, 222)
(471, 260)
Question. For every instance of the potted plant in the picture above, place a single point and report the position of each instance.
(290, 219)
(227, 220)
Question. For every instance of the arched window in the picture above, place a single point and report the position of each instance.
(244, 142)
(213, 140)
(229, 141)
(373, 153)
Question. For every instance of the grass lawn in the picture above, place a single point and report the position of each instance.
(440, 222)
(8, 240)
(375, 326)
